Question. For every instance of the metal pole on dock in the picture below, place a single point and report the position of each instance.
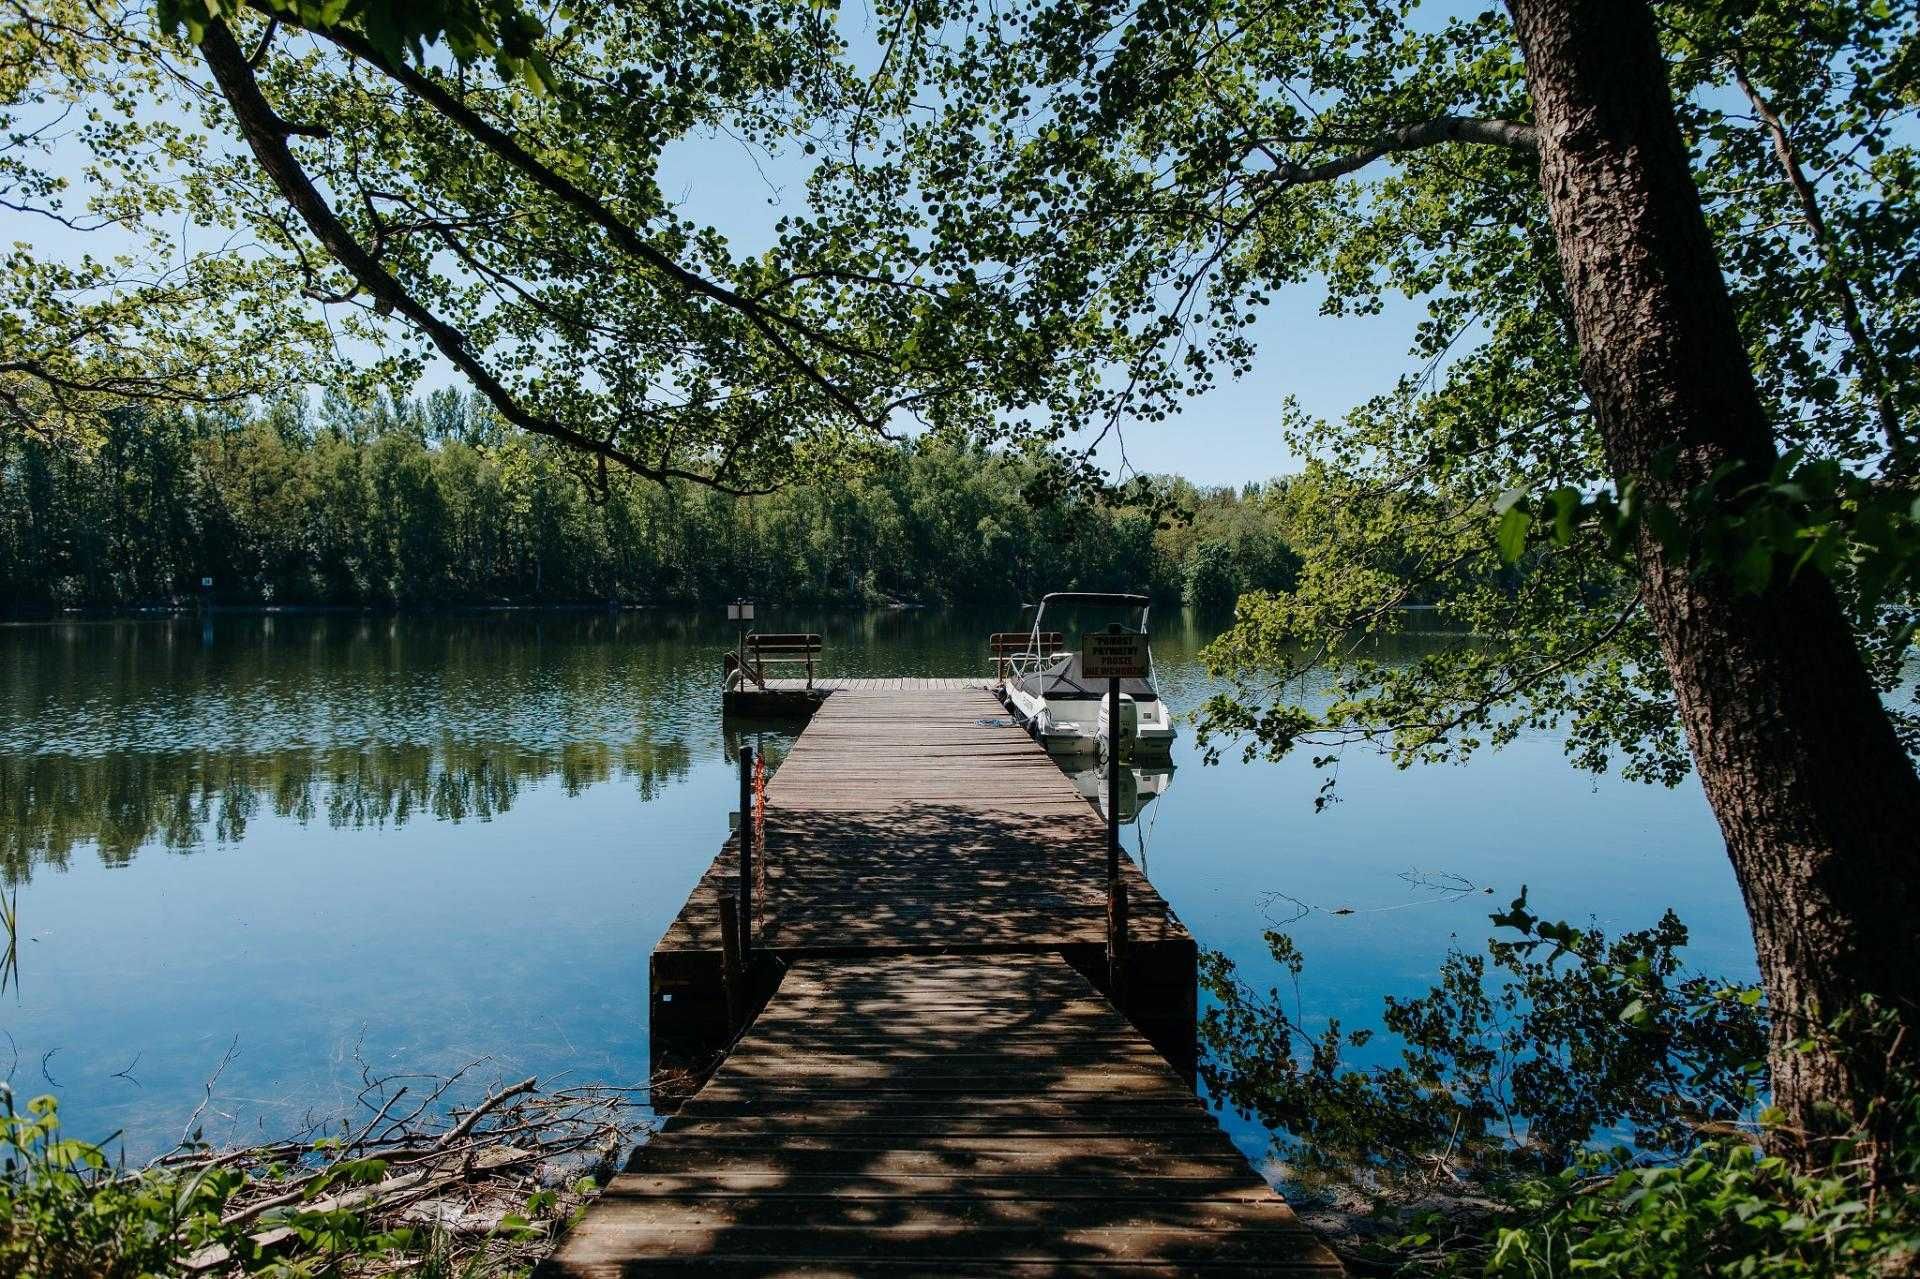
(1113, 782)
(746, 854)
(1116, 888)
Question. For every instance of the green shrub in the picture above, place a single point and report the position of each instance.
(64, 1213)
(1724, 1208)
(1500, 1133)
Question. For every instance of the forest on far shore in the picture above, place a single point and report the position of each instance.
(432, 502)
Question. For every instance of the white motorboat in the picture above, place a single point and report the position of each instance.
(1066, 711)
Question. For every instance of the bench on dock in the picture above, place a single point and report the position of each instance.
(1007, 645)
(789, 648)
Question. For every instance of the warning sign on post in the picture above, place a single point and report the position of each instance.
(1113, 655)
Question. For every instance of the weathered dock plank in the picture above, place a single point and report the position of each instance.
(889, 1115)
(784, 695)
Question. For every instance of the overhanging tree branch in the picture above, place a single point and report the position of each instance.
(266, 136)
(1410, 137)
(768, 321)
(1863, 344)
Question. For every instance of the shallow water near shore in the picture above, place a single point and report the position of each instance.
(263, 859)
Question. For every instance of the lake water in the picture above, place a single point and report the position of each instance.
(321, 849)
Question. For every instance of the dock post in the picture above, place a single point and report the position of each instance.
(733, 969)
(1113, 783)
(1116, 887)
(746, 855)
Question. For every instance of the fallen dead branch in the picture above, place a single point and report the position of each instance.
(492, 1183)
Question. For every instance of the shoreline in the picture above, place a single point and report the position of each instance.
(138, 612)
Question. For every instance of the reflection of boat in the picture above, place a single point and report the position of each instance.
(1047, 689)
(1138, 788)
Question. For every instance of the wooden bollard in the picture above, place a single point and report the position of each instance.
(746, 855)
(1117, 940)
(733, 968)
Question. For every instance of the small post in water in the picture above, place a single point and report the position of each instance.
(746, 855)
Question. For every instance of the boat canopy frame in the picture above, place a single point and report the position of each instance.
(1038, 662)
(1114, 599)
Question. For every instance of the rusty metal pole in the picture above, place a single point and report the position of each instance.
(746, 855)
(1116, 890)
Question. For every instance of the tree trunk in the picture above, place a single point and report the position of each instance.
(1819, 803)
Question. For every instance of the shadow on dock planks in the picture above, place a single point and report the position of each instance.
(941, 1115)
(935, 1080)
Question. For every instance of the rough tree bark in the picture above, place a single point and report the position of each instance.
(1819, 804)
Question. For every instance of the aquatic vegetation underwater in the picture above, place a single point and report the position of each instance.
(1568, 1103)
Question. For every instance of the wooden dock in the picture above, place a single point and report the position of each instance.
(938, 1081)
(949, 1115)
(784, 696)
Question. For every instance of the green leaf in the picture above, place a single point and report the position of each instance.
(1513, 533)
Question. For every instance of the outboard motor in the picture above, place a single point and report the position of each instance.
(1129, 734)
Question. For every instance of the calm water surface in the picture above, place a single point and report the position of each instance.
(326, 848)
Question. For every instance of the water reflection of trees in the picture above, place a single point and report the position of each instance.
(120, 803)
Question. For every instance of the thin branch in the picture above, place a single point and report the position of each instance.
(479, 1112)
(187, 1133)
(766, 320)
(1410, 137)
(1873, 374)
(266, 39)
(266, 138)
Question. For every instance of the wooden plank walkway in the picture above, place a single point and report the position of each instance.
(923, 820)
(934, 1086)
(940, 1115)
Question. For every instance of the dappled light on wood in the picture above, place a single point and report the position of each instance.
(933, 1082)
(944, 1114)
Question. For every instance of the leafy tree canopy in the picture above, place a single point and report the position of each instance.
(1159, 169)
(230, 198)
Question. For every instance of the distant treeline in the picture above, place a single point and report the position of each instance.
(431, 502)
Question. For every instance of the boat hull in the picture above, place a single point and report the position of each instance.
(1071, 727)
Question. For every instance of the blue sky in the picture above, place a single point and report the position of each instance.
(1230, 435)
